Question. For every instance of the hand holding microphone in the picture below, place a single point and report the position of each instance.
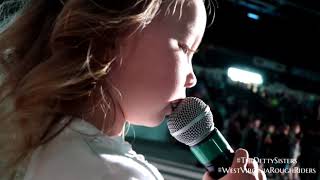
(251, 165)
(191, 123)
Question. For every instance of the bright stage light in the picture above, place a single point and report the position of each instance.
(244, 76)
(253, 16)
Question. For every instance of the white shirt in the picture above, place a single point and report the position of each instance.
(82, 152)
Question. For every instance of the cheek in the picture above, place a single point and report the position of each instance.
(166, 75)
(158, 69)
(175, 76)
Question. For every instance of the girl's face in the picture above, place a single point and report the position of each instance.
(156, 67)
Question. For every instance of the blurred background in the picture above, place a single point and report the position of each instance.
(258, 69)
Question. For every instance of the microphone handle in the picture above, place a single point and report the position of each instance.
(214, 153)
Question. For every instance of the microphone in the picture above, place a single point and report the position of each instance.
(191, 123)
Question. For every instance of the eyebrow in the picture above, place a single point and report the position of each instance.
(194, 50)
(188, 32)
(196, 42)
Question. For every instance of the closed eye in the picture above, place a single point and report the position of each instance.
(186, 49)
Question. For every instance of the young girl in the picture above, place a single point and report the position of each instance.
(74, 72)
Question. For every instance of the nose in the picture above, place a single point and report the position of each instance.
(191, 80)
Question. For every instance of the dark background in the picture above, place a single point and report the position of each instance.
(287, 33)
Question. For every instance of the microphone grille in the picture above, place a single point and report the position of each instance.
(191, 121)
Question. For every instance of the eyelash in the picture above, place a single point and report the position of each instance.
(186, 49)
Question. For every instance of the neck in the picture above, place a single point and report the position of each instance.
(111, 122)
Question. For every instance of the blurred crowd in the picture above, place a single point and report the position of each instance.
(277, 129)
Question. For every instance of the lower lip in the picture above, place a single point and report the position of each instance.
(171, 107)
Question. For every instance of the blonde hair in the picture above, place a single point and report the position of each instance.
(54, 51)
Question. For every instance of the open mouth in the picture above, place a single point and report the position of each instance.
(175, 104)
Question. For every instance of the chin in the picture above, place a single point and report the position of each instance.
(148, 120)
(157, 123)
(151, 122)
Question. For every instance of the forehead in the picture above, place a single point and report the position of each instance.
(188, 17)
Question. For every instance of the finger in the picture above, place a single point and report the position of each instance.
(206, 176)
(253, 167)
(252, 164)
(240, 158)
(262, 175)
